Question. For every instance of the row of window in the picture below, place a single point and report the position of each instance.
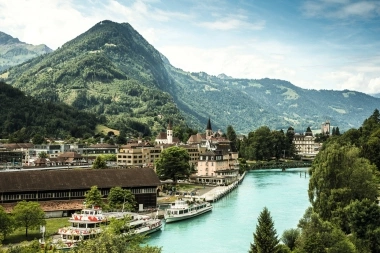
(60, 195)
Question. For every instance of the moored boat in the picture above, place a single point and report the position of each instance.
(83, 226)
(183, 209)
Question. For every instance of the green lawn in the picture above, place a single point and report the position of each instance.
(52, 226)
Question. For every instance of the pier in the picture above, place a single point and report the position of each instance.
(219, 192)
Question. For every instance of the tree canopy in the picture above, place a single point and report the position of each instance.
(173, 163)
(28, 215)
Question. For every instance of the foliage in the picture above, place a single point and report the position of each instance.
(28, 215)
(42, 154)
(32, 247)
(264, 144)
(320, 236)
(289, 237)
(99, 163)
(119, 198)
(364, 221)
(173, 163)
(338, 176)
(6, 224)
(265, 238)
(232, 137)
(111, 71)
(23, 117)
(93, 197)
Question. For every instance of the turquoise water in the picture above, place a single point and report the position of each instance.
(230, 225)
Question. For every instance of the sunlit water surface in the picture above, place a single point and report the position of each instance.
(230, 225)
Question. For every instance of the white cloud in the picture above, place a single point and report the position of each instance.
(232, 24)
(374, 85)
(341, 9)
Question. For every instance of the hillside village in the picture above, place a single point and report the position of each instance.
(61, 189)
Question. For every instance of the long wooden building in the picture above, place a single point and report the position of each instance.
(63, 191)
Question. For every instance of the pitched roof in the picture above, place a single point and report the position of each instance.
(42, 180)
(102, 145)
(13, 146)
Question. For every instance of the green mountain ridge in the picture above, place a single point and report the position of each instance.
(14, 52)
(22, 117)
(112, 70)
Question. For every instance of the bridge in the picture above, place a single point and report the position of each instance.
(279, 165)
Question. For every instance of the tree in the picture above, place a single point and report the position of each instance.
(38, 139)
(173, 163)
(231, 135)
(28, 215)
(364, 221)
(43, 154)
(338, 176)
(119, 198)
(99, 163)
(265, 238)
(6, 223)
(319, 236)
(290, 236)
(93, 197)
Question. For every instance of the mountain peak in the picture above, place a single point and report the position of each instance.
(6, 39)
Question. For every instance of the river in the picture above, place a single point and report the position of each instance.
(230, 225)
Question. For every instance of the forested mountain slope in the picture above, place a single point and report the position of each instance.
(112, 70)
(22, 117)
(13, 51)
(109, 70)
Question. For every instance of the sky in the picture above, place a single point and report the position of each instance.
(316, 44)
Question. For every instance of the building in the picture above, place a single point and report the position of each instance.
(216, 168)
(305, 144)
(167, 137)
(325, 128)
(144, 154)
(61, 192)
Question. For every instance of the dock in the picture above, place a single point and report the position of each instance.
(219, 192)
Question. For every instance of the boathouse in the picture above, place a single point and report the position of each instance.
(61, 192)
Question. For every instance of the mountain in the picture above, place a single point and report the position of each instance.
(23, 117)
(14, 52)
(109, 70)
(247, 104)
(112, 70)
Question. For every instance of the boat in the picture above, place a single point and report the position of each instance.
(183, 209)
(88, 224)
(83, 226)
(144, 225)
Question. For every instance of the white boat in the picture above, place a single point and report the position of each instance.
(144, 225)
(83, 226)
(183, 209)
(87, 224)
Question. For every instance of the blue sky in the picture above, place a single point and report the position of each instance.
(319, 44)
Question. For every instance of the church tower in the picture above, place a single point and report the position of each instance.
(208, 128)
(169, 133)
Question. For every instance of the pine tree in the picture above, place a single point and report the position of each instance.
(265, 239)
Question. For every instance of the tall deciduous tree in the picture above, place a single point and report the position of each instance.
(6, 223)
(338, 176)
(173, 163)
(28, 215)
(93, 197)
(119, 198)
(290, 236)
(265, 238)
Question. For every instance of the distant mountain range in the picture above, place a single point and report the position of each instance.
(112, 70)
(13, 51)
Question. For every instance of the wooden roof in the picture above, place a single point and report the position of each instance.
(48, 180)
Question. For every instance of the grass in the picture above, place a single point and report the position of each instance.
(103, 129)
(52, 226)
